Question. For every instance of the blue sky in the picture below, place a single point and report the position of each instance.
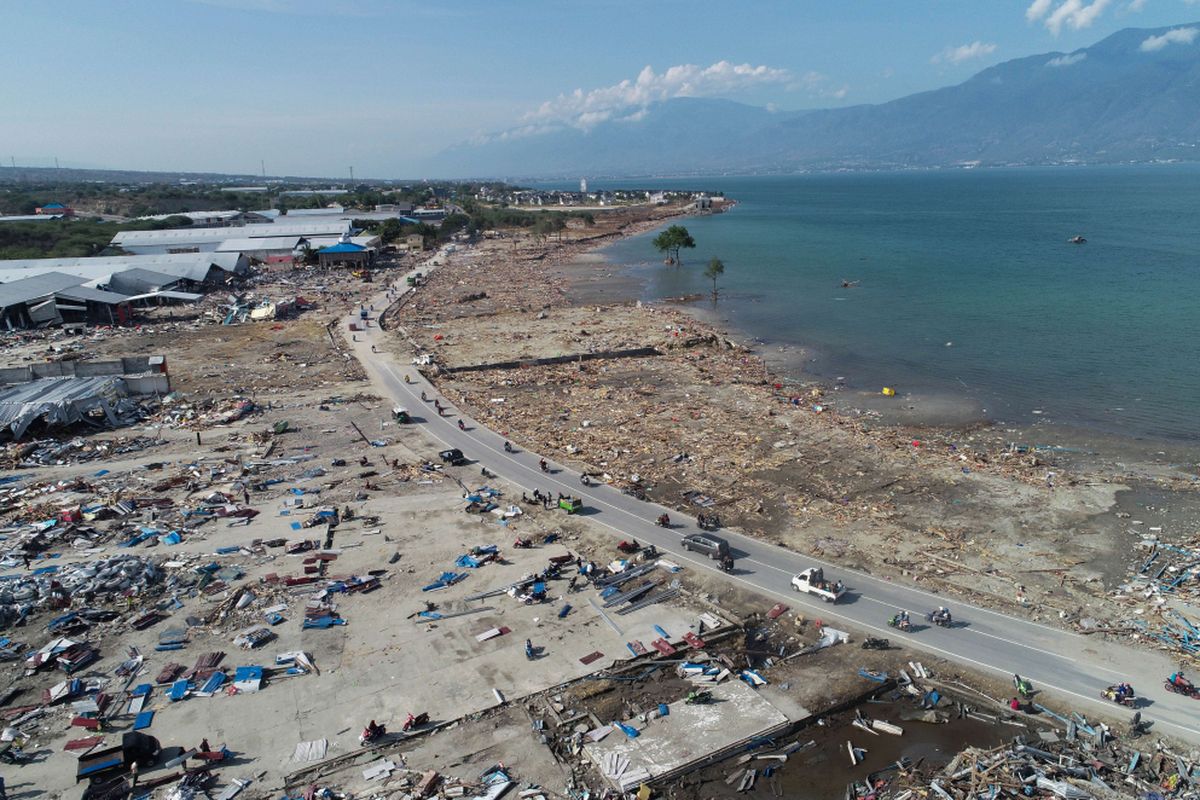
(316, 86)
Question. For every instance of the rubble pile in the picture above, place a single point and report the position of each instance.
(1082, 767)
(55, 452)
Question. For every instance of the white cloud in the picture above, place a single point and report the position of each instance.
(623, 100)
(965, 52)
(1038, 9)
(1135, 5)
(1066, 61)
(1074, 14)
(1176, 36)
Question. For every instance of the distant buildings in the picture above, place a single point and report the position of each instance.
(583, 185)
(55, 210)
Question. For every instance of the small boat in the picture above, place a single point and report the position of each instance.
(1077, 240)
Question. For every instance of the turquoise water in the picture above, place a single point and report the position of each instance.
(1102, 334)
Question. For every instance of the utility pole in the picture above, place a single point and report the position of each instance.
(56, 162)
(263, 164)
(352, 175)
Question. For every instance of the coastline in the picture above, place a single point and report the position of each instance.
(948, 508)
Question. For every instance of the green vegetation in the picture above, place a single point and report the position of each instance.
(70, 238)
(672, 240)
(714, 270)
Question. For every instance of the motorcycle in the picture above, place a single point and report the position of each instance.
(1115, 694)
(543, 465)
(630, 547)
(1184, 688)
(523, 543)
(1023, 686)
(372, 734)
(461, 425)
(708, 522)
(872, 643)
(698, 698)
(900, 623)
(663, 521)
(940, 617)
(416, 721)
(727, 564)
(508, 448)
(584, 479)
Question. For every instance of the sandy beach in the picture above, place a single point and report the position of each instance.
(1044, 532)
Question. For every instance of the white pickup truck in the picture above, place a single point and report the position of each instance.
(812, 580)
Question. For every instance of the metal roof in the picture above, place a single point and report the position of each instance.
(136, 281)
(189, 236)
(60, 400)
(91, 295)
(191, 266)
(344, 247)
(35, 287)
(244, 245)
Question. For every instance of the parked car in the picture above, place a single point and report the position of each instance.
(706, 543)
(454, 457)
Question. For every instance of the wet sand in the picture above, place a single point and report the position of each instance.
(930, 493)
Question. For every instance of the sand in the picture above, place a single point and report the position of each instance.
(815, 468)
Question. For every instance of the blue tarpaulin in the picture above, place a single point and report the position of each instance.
(143, 720)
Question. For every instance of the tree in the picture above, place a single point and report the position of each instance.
(672, 240)
(714, 270)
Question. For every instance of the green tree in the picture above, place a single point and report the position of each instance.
(714, 270)
(672, 240)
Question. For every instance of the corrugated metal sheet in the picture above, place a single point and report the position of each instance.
(191, 266)
(35, 287)
(193, 237)
(61, 401)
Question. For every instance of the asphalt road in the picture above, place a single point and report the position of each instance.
(1071, 667)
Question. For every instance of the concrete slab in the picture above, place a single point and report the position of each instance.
(667, 745)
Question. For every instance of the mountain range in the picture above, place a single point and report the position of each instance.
(1134, 96)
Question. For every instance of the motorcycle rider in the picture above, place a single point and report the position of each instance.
(542, 465)
(1180, 682)
(508, 447)
(900, 620)
(372, 732)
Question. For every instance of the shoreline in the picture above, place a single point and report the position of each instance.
(952, 510)
(916, 412)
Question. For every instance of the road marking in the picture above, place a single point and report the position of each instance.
(791, 596)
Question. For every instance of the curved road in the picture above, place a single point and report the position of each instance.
(1073, 667)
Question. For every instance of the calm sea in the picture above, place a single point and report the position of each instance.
(967, 285)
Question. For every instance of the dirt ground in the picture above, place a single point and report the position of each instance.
(952, 508)
(702, 416)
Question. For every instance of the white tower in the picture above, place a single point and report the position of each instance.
(583, 185)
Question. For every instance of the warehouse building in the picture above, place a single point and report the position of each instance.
(208, 240)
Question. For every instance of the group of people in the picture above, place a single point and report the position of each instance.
(545, 498)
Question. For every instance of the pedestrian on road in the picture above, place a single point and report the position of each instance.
(246, 496)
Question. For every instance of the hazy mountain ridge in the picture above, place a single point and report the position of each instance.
(1107, 103)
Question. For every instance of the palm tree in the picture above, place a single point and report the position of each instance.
(714, 270)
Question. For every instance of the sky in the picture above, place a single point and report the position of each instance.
(317, 87)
